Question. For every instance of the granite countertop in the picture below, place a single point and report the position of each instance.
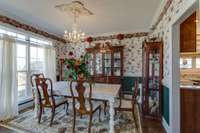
(190, 87)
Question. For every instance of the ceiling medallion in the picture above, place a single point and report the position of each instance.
(74, 9)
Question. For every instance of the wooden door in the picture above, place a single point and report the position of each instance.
(188, 34)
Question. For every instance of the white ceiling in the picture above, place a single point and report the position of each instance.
(110, 16)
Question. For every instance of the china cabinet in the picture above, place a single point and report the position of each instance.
(152, 74)
(106, 63)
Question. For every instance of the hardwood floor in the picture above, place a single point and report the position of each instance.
(152, 126)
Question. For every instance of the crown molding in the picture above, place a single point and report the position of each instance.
(162, 10)
(29, 28)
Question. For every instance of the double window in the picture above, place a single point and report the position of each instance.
(30, 59)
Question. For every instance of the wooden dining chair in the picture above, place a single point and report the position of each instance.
(47, 98)
(33, 85)
(128, 101)
(83, 105)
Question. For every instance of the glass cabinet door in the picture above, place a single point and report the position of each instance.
(91, 64)
(117, 64)
(154, 70)
(99, 67)
(107, 64)
(153, 82)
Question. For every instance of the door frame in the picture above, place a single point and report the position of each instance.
(188, 6)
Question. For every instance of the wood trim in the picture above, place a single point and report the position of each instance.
(29, 28)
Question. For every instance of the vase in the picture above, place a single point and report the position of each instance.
(81, 90)
(80, 77)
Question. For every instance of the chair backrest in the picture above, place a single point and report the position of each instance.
(135, 92)
(44, 87)
(78, 91)
(33, 84)
(34, 76)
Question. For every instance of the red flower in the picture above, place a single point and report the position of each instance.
(76, 66)
(120, 36)
(71, 53)
(89, 39)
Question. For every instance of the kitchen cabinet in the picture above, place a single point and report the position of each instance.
(188, 34)
(190, 110)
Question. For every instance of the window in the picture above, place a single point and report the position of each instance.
(30, 59)
(198, 62)
(22, 71)
(36, 59)
(186, 63)
(27, 66)
(190, 62)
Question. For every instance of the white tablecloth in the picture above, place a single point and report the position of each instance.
(99, 91)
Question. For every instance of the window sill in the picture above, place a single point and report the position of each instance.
(25, 100)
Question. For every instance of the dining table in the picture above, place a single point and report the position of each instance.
(100, 91)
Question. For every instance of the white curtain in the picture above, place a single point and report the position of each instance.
(50, 63)
(8, 79)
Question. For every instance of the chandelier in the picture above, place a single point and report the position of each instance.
(74, 9)
(76, 35)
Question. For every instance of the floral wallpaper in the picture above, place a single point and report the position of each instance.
(133, 46)
(132, 52)
(161, 30)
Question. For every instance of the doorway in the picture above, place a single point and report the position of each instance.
(174, 61)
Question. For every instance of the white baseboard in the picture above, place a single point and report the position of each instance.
(165, 125)
(26, 105)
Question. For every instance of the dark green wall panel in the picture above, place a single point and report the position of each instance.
(165, 103)
(128, 82)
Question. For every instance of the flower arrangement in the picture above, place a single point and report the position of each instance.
(76, 68)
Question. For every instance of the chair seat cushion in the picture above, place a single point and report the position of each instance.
(124, 103)
(58, 100)
(87, 105)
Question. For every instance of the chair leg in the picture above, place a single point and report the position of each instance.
(90, 123)
(40, 114)
(43, 111)
(74, 122)
(105, 105)
(100, 114)
(52, 116)
(115, 112)
(134, 118)
(67, 107)
(33, 104)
